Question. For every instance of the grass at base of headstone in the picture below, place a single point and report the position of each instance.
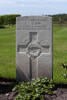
(60, 53)
(8, 52)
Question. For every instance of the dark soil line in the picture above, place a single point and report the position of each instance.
(60, 86)
(2, 79)
(6, 87)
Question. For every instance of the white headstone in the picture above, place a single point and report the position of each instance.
(33, 47)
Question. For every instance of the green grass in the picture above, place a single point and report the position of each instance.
(8, 52)
(60, 53)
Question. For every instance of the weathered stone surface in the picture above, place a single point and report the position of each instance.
(33, 47)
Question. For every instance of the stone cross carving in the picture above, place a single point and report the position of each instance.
(33, 48)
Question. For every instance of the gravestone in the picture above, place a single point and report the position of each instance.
(33, 47)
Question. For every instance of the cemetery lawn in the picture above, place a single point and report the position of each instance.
(59, 53)
(8, 52)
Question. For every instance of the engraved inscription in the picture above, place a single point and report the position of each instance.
(34, 24)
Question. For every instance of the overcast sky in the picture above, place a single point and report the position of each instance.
(33, 7)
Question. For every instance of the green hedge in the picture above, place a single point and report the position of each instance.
(60, 18)
(11, 19)
(8, 19)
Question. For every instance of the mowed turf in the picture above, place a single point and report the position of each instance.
(8, 52)
(60, 53)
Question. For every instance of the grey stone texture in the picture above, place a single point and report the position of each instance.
(33, 47)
